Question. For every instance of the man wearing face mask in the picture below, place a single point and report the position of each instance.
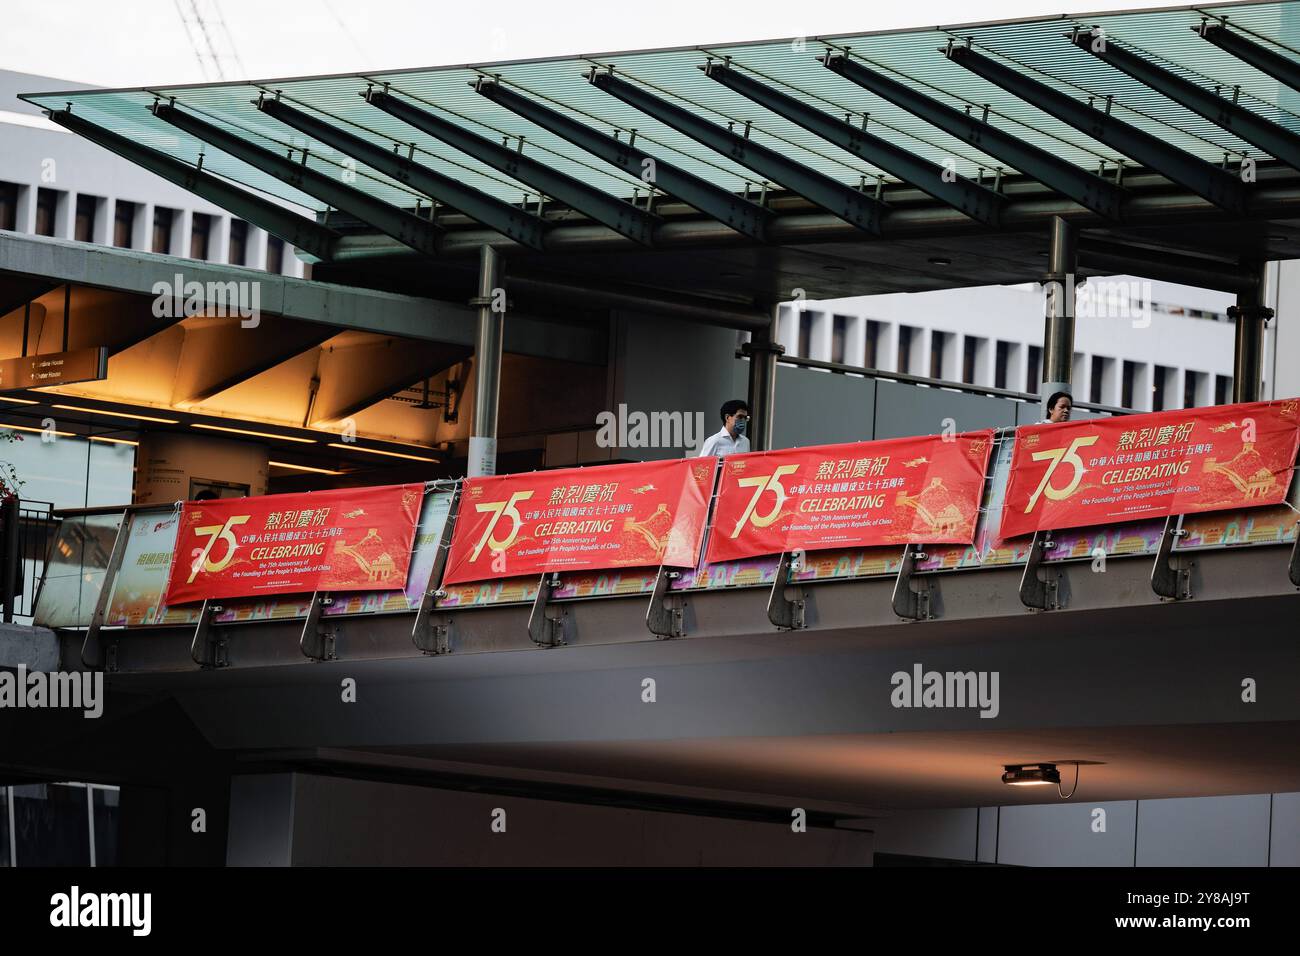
(731, 440)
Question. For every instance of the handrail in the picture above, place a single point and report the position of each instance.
(909, 379)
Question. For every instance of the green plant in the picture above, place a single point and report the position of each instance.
(10, 483)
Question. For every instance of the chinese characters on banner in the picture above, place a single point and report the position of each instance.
(901, 490)
(615, 516)
(1132, 467)
(352, 539)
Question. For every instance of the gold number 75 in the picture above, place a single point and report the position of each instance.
(1057, 455)
(760, 484)
(215, 533)
(499, 508)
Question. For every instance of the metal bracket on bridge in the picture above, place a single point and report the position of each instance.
(1040, 594)
(208, 650)
(1167, 580)
(94, 654)
(787, 602)
(912, 605)
(430, 636)
(317, 640)
(666, 615)
(546, 622)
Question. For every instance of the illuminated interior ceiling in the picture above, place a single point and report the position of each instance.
(891, 161)
(346, 379)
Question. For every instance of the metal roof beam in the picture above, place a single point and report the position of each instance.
(1208, 181)
(407, 229)
(1280, 143)
(979, 202)
(302, 233)
(849, 204)
(746, 217)
(1281, 68)
(617, 214)
(483, 208)
(1086, 188)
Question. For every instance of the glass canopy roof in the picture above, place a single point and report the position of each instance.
(1038, 49)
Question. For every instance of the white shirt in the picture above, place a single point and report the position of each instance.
(723, 444)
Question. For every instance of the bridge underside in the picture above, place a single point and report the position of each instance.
(1145, 695)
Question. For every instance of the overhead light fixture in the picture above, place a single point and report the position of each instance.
(379, 451)
(1031, 775)
(115, 441)
(18, 401)
(318, 471)
(1038, 775)
(939, 261)
(38, 431)
(102, 411)
(245, 431)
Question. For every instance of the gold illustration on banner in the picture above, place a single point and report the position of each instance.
(653, 530)
(1246, 470)
(377, 566)
(937, 507)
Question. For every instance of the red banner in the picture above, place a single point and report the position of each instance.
(347, 540)
(613, 516)
(1108, 470)
(902, 490)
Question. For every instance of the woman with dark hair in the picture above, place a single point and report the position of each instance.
(1058, 408)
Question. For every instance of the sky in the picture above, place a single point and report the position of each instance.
(153, 42)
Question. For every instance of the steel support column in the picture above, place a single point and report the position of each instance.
(1251, 315)
(763, 350)
(1058, 325)
(487, 364)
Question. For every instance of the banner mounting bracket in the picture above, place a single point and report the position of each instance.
(788, 601)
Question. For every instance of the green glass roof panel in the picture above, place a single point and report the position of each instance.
(1037, 48)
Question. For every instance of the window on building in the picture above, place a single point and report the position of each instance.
(275, 255)
(162, 230)
(871, 350)
(200, 227)
(1127, 386)
(805, 334)
(9, 206)
(1160, 392)
(1001, 364)
(1222, 389)
(1034, 369)
(938, 352)
(47, 207)
(84, 226)
(905, 333)
(123, 224)
(970, 355)
(1099, 372)
(839, 332)
(1193, 389)
(238, 242)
